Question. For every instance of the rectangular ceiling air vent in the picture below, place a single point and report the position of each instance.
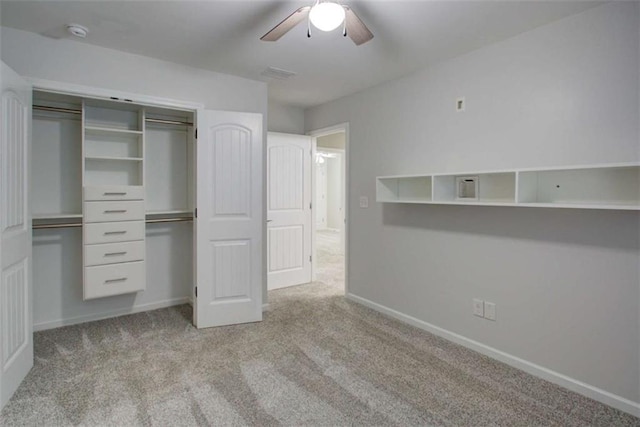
(277, 73)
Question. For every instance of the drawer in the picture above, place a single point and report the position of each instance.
(114, 192)
(111, 253)
(114, 211)
(111, 232)
(114, 279)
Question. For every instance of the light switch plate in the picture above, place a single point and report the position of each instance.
(478, 307)
(364, 202)
(489, 310)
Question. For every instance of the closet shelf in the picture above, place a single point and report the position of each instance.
(170, 212)
(56, 216)
(105, 130)
(605, 186)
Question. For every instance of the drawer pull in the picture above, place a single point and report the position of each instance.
(115, 211)
(115, 253)
(110, 233)
(114, 193)
(120, 279)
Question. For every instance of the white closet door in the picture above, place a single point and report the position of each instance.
(288, 210)
(229, 220)
(16, 336)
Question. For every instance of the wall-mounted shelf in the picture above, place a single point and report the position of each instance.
(614, 186)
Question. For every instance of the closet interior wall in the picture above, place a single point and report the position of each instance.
(56, 188)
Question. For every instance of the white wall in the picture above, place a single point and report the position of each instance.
(68, 61)
(285, 118)
(566, 282)
(57, 275)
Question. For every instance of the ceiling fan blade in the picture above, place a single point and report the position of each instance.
(288, 23)
(356, 29)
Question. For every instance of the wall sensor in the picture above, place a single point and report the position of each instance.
(77, 30)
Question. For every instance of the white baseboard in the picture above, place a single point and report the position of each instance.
(572, 384)
(265, 306)
(108, 314)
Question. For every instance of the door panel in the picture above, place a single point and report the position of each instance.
(288, 210)
(16, 343)
(229, 219)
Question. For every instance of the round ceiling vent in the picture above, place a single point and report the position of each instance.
(77, 30)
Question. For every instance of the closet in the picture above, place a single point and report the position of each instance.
(114, 203)
(113, 190)
(109, 179)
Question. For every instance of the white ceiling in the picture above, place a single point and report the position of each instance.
(223, 36)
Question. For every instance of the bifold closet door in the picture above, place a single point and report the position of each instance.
(16, 336)
(229, 219)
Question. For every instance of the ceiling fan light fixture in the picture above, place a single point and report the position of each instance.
(327, 16)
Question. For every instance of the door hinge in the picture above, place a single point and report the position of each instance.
(309, 258)
(195, 212)
(196, 292)
(196, 133)
(310, 205)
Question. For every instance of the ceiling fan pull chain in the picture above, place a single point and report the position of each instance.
(344, 28)
(308, 28)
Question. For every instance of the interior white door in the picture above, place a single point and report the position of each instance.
(229, 223)
(16, 341)
(288, 210)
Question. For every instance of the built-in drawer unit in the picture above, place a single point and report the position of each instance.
(111, 253)
(114, 211)
(112, 232)
(113, 192)
(114, 279)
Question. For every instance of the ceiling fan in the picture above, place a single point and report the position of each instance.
(325, 16)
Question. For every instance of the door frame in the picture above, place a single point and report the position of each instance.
(315, 134)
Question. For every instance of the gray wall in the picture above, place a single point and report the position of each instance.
(285, 118)
(57, 275)
(566, 282)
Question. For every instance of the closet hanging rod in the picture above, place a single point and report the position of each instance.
(168, 122)
(73, 111)
(79, 224)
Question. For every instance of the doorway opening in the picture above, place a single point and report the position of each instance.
(329, 213)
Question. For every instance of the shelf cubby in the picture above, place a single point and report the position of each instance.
(117, 144)
(404, 189)
(102, 116)
(112, 171)
(499, 187)
(616, 186)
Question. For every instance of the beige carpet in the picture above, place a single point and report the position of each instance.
(316, 359)
(330, 265)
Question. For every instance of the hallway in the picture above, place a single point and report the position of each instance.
(331, 261)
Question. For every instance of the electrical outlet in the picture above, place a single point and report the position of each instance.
(364, 202)
(478, 307)
(490, 310)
